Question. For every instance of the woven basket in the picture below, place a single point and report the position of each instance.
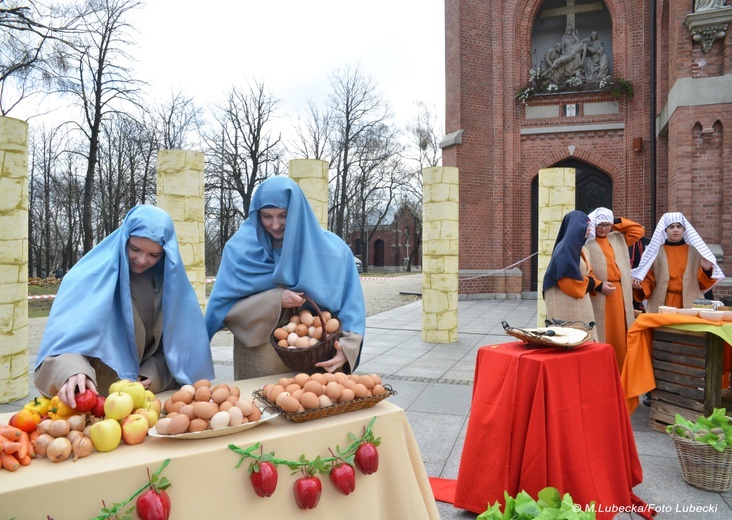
(304, 359)
(701, 465)
(541, 338)
(326, 411)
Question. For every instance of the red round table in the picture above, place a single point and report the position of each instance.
(547, 417)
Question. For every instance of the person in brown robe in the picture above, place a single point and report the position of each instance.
(608, 245)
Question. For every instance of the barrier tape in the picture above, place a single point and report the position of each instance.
(502, 269)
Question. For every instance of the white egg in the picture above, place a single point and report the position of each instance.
(188, 388)
(292, 338)
(220, 420)
(237, 416)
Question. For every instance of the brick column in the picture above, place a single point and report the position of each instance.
(180, 193)
(312, 176)
(13, 259)
(556, 199)
(440, 238)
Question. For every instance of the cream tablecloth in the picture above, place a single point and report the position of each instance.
(206, 484)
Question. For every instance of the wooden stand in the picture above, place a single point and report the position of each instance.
(688, 369)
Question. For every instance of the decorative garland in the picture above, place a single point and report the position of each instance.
(155, 480)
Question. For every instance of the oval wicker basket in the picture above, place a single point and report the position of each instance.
(326, 411)
(540, 338)
(701, 465)
(304, 359)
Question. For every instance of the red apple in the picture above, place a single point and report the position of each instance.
(134, 428)
(307, 492)
(153, 504)
(98, 410)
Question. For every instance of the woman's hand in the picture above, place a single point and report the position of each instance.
(608, 288)
(337, 362)
(292, 299)
(145, 381)
(68, 389)
(706, 264)
(637, 284)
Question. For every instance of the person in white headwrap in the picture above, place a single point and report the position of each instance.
(677, 267)
(608, 245)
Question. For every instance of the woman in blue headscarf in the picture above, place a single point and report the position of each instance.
(125, 311)
(278, 255)
(569, 281)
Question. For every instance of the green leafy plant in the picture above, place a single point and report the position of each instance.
(549, 505)
(715, 430)
(618, 87)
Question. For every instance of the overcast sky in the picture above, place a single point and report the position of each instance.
(293, 46)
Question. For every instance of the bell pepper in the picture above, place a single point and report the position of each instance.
(57, 409)
(38, 405)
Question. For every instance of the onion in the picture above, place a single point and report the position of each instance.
(82, 447)
(77, 422)
(41, 443)
(58, 449)
(59, 428)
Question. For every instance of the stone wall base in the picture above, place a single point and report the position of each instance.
(489, 284)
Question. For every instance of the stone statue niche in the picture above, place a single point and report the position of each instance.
(707, 5)
(575, 62)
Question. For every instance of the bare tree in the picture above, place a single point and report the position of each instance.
(176, 119)
(313, 134)
(97, 75)
(356, 108)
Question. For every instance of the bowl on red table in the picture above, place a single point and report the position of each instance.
(688, 312)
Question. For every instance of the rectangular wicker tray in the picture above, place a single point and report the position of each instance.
(335, 409)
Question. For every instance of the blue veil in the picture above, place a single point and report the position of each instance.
(92, 314)
(567, 249)
(312, 260)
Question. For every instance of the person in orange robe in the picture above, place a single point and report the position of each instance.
(608, 245)
(676, 268)
(569, 280)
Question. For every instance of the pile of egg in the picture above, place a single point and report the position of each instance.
(304, 329)
(309, 392)
(200, 407)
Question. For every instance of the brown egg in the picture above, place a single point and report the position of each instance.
(179, 424)
(377, 378)
(220, 395)
(292, 387)
(289, 404)
(367, 381)
(340, 377)
(378, 390)
(235, 391)
(349, 383)
(283, 343)
(326, 315)
(201, 382)
(332, 325)
(280, 397)
(188, 388)
(320, 378)
(309, 401)
(317, 333)
(231, 399)
(325, 401)
(221, 385)
(174, 407)
(346, 395)
(245, 405)
(297, 393)
(163, 425)
(188, 410)
(255, 415)
(198, 425)
(274, 392)
(306, 317)
(167, 404)
(301, 330)
(203, 394)
(284, 382)
(360, 390)
(205, 410)
(280, 333)
(314, 387)
(329, 377)
(223, 407)
(301, 379)
(313, 341)
(182, 395)
(302, 342)
(316, 322)
(295, 319)
(333, 390)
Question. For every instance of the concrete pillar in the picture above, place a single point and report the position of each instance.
(440, 238)
(556, 199)
(13, 259)
(180, 193)
(312, 177)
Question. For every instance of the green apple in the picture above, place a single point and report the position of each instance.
(118, 405)
(134, 428)
(115, 387)
(136, 390)
(105, 435)
(149, 413)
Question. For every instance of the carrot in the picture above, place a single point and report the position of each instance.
(8, 461)
(31, 447)
(24, 443)
(33, 435)
(11, 447)
(25, 461)
(11, 432)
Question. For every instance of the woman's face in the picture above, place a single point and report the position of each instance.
(675, 232)
(143, 253)
(603, 229)
(273, 220)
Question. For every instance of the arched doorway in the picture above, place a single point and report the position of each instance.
(378, 253)
(593, 189)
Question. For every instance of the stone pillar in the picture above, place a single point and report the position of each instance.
(180, 193)
(440, 240)
(13, 259)
(312, 176)
(556, 199)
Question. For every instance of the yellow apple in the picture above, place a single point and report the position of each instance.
(149, 413)
(114, 387)
(118, 405)
(105, 435)
(134, 428)
(136, 390)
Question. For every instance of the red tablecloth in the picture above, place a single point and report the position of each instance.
(548, 418)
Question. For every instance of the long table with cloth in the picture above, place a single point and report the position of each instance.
(548, 417)
(205, 482)
(637, 372)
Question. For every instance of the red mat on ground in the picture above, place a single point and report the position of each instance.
(443, 489)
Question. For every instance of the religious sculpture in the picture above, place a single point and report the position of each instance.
(571, 59)
(707, 5)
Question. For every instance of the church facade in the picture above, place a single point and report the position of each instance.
(635, 95)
